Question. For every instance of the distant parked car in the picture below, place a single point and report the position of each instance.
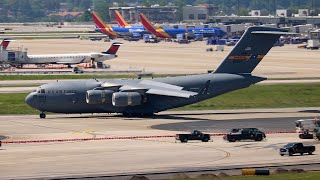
(296, 148)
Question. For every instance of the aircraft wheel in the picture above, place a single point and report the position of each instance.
(42, 115)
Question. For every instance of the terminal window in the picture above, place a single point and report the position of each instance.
(191, 16)
(202, 16)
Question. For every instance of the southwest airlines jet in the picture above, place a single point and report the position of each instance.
(114, 31)
(172, 32)
(123, 23)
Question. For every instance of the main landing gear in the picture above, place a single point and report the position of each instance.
(42, 115)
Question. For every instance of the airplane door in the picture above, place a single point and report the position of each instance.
(11, 56)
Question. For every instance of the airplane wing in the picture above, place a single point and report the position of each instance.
(153, 87)
(170, 92)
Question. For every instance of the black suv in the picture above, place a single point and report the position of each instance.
(245, 134)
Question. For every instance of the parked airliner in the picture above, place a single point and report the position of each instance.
(20, 58)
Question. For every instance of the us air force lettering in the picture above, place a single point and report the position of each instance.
(148, 96)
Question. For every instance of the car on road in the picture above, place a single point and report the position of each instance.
(296, 148)
(245, 134)
(195, 135)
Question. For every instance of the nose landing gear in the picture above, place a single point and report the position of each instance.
(42, 115)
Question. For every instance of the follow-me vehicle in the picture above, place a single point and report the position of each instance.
(149, 96)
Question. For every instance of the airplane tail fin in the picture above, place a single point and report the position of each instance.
(159, 32)
(113, 49)
(254, 44)
(102, 26)
(5, 43)
(123, 23)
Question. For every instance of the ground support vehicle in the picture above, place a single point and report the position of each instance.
(195, 135)
(245, 134)
(296, 148)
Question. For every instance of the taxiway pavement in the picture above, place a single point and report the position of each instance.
(114, 157)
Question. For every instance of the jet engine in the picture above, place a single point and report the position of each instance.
(98, 96)
(122, 99)
(97, 57)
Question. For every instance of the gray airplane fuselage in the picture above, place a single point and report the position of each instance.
(70, 96)
(148, 96)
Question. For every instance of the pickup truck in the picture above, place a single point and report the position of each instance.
(195, 135)
(296, 148)
(245, 134)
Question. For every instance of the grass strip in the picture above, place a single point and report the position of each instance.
(264, 96)
(14, 104)
(258, 96)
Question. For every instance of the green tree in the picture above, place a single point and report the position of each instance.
(146, 3)
(102, 8)
(86, 16)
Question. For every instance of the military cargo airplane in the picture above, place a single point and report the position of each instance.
(139, 97)
(20, 58)
(115, 31)
(172, 32)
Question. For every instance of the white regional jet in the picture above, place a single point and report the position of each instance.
(19, 58)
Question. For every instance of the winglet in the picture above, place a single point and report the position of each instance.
(113, 49)
(102, 26)
(159, 32)
(5, 43)
(123, 23)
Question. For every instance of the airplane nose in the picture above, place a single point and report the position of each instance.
(30, 100)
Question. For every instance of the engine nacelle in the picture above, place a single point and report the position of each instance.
(99, 96)
(123, 99)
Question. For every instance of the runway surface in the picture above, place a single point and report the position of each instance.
(264, 124)
(144, 155)
(172, 58)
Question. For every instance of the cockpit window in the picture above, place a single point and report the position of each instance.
(38, 91)
(34, 90)
(43, 91)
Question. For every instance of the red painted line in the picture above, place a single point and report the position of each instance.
(119, 137)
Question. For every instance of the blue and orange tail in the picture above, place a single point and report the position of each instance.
(159, 32)
(122, 23)
(102, 26)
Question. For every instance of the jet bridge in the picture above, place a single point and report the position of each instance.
(13, 55)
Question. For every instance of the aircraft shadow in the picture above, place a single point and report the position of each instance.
(310, 111)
